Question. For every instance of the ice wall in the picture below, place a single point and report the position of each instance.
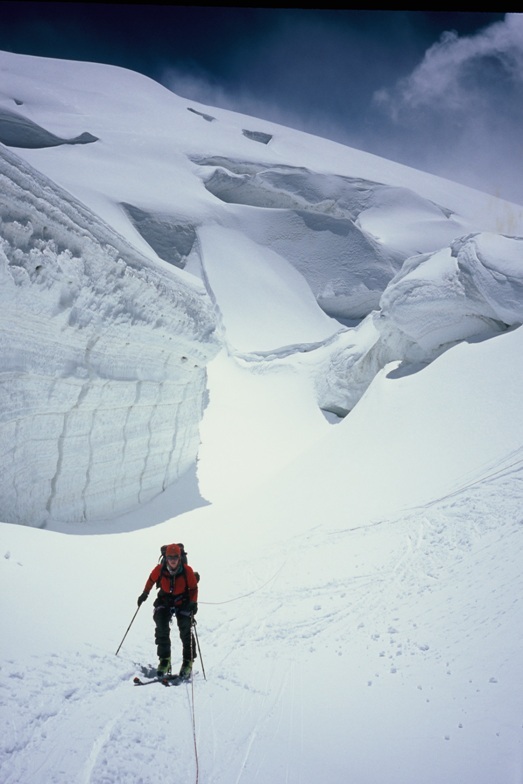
(472, 290)
(102, 360)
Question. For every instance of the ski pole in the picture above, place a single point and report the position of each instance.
(125, 635)
(198, 644)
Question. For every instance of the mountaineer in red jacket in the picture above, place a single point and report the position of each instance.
(178, 596)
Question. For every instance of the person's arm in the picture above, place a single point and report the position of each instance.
(192, 585)
(151, 580)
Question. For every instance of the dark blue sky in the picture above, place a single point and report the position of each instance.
(441, 91)
(150, 37)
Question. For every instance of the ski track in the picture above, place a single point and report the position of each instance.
(105, 723)
(62, 703)
(96, 750)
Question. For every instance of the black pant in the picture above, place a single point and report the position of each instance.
(162, 638)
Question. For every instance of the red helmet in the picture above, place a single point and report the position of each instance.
(172, 549)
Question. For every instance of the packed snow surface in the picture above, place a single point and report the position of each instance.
(304, 362)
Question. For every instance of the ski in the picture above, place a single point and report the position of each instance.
(171, 680)
(165, 680)
(139, 682)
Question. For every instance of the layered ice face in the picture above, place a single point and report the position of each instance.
(103, 359)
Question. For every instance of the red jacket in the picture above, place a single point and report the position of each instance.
(182, 587)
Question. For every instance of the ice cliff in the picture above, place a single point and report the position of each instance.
(102, 354)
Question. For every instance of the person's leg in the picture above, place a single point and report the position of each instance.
(162, 638)
(188, 641)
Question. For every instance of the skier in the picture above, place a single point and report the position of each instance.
(177, 595)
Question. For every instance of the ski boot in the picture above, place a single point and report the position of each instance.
(164, 667)
(186, 670)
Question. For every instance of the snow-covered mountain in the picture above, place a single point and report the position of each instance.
(149, 212)
(302, 360)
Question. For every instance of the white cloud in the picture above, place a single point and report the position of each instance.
(454, 68)
(460, 111)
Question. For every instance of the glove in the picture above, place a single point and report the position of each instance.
(141, 599)
(193, 607)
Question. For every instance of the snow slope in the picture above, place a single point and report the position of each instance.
(335, 641)
(360, 613)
